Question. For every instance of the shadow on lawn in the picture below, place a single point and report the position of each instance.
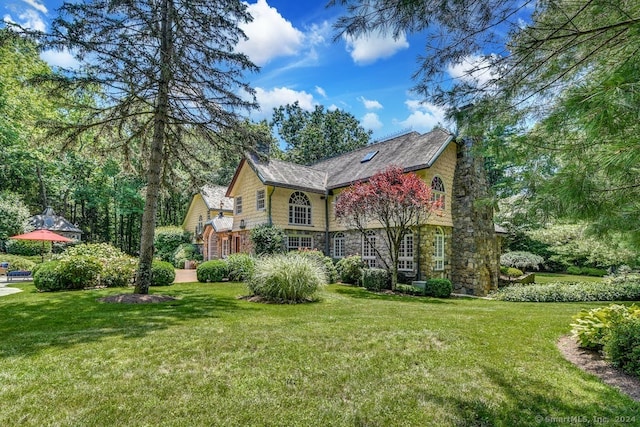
(68, 318)
(362, 293)
(535, 402)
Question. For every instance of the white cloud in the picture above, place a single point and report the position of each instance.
(57, 58)
(36, 5)
(332, 107)
(371, 121)
(320, 91)
(270, 99)
(29, 19)
(472, 69)
(370, 104)
(368, 49)
(269, 35)
(423, 117)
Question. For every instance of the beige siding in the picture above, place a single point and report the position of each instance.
(246, 186)
(197, 208)
(444, 167)
(280, 210)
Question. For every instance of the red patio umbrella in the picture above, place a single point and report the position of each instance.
(44, 236)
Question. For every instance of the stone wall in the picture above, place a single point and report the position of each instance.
(475, 265)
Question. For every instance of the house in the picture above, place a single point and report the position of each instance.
(210, 214)
(49, 220)
(300, 200)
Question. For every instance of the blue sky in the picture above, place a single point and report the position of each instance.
(292, 42)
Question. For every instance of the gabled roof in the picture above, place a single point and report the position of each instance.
(411, 151)
(213, 195)
(48, 220)
(284, 174)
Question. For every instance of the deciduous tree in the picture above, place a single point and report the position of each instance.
(392, 199)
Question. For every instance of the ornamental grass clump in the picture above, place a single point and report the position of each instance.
(287, 278)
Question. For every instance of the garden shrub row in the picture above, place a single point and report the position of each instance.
(437, 288)
(587, 271)
(350, 269)
(571, 292)
(615, 330)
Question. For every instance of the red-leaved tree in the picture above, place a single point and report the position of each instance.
(396, 201)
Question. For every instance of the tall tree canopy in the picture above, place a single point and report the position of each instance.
(169, 79)
(311, 136)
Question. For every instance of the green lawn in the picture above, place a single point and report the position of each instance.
(542, 278)
(352, 359)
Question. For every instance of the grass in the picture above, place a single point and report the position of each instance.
(352, 359)
(542, 278)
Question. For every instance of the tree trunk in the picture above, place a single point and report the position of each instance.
(143, 277)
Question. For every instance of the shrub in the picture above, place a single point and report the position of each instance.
(185, 252)
(118, 268)
(268, 239)
(574, 270)
(162, 273)
(623, 346)
(18, 263)
(409, 289)
(212, 271)
(521, 260)
(596, 272)
(286, 278)
(47, 278)
(570, 292)
(167, 239)
(79, 272)
(240, 267)
(591, 327)
(350, 269)
(438, 288)
(375, 279)
(512, 272)
(26, 247)
(327, 263)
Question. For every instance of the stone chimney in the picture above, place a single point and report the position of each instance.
(475, 263)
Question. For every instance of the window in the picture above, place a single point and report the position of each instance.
(437, 191)
(438, 250)
(260, 200)
(338, 245)
(299, 209)
(296, 242)
(368, 249)
(370, 155)
(200, 226)
(208, 215)
(405, 258)
(238, 205)
(226, 247)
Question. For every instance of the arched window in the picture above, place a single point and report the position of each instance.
(368, 249)
(437, 191)
(338, 245)
(438, 250)
(299, 209)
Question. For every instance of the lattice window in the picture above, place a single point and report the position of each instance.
(438, 191)
(338, 245)
(299, 209)
(238, 201)
(368, 249)
(260, 201)
(405, 259)
(438, 250)
(296, 242)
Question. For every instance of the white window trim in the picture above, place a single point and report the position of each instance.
(438, 195)
(406, 260)
(259, 199)
(339, 238)
(438, 250)
(304, 209)
(299, 245)
(368, 249)
(238, 205)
